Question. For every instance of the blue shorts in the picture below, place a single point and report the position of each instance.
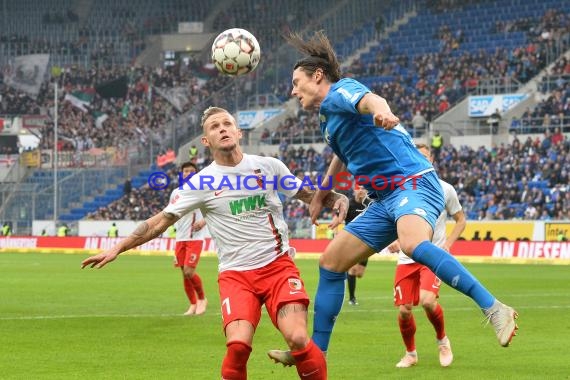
(376, 226)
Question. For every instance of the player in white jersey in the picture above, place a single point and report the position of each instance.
(190, 233)
(415, 284)
(237, 195)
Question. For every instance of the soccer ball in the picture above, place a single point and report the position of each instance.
(235, 52)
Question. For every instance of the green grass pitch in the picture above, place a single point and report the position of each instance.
(125, 322)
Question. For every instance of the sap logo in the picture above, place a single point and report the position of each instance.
(478, 106)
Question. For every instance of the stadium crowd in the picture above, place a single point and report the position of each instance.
(522, 180)
(137, 119)
(554, 111)
(432, 83)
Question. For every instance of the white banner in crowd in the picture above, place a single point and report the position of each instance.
(177, 96)
(191, 27)
(26, 73)
(486, 105)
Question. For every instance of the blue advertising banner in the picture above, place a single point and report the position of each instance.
(485, 105)
(251, 119)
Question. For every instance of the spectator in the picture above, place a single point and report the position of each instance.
(419, 122)
(193, 153)
(63, 230)
(6, 229)
(557, 137)
(379, 26)
(494, 121)
(113, 230)
(127, 187)
(436, 145)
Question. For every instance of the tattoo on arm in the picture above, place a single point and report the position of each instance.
(331, 198)
(169, 215)
(148, 230)
(305, 195)
(141, 229)
(146, 233)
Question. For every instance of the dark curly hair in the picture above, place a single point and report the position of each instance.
(319, 54)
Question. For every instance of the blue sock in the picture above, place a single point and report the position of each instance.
(328, 302)
(450, 271)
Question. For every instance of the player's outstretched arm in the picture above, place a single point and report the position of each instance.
(458, 228)
(317, 201)
(379, 109)
(146, 231)
(337, 202)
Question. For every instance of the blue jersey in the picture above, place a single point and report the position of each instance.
(367, 150)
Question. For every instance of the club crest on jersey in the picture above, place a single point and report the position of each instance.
(259, 177)
(295, 284)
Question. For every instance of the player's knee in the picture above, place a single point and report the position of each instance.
(428, 301)
(326, 262)
(428, 305)
(188, 272)
(297, 339)
(330, 261)
(405, 311)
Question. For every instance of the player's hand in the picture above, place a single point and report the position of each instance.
(446, 246)
(315, 208)
(198, 225)
(386, 120)
(100, 260)
(394, 247)
(340, 209)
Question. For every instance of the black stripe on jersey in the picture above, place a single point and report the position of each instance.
(276, 234)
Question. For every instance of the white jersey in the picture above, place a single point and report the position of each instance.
(245, 220)
(452, 207)
(184, 230)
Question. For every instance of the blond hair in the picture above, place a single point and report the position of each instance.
(211, 111)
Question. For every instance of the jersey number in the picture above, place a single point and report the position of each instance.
(397, 293)
(226, 304)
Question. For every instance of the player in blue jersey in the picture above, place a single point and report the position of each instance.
(369, 141)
